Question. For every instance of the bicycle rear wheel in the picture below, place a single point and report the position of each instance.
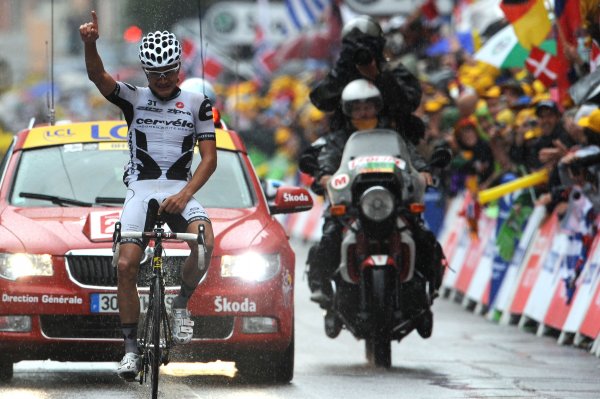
(155, 348)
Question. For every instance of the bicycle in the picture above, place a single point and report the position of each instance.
(155, 339)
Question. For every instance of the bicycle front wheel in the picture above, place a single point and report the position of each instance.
(155, 350)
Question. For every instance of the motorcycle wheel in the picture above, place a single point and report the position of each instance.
(378, 346)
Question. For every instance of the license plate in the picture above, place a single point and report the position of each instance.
(107, 302)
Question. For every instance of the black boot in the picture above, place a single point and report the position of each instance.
(312, 270)
(333, 324)
(425, 324)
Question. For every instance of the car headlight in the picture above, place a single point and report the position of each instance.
(13, 266)
(250, 266)
(377, 203)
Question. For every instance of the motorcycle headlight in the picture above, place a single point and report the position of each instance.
(13, 266)
(377, 203)
(250, 266)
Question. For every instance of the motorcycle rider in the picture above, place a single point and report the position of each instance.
(362, 105)
(362, 57)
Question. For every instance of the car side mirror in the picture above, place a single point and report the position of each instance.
(289, 199)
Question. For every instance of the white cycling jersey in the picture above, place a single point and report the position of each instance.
(162, 133)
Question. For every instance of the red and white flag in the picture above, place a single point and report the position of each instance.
(594, 56)
(543, 66)
(195, 64)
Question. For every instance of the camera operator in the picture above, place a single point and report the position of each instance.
(361, 57)
(582, 168)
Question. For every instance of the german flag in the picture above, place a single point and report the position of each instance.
(529, 19)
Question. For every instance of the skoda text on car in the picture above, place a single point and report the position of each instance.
(61, 194)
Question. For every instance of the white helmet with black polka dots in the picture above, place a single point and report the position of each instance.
(159, 49)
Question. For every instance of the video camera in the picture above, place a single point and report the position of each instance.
(362, 55)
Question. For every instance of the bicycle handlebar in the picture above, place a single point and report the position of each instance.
(163, 235)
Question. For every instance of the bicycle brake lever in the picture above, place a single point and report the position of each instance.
(201, 236)
(116, 235)
(201, 257)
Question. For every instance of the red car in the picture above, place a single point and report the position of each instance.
(61, 192)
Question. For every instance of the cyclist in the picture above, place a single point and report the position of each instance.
(164, 123)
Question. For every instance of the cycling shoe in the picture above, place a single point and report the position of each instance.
(182, 326)
(129, 367)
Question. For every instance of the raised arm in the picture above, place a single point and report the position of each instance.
(93, 63)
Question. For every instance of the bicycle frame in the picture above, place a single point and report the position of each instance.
(155, 340)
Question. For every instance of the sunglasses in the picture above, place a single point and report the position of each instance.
(162, 74)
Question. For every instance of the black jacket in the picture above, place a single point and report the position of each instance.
(400, 89)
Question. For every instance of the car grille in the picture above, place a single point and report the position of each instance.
(96, 270)
(109, 326)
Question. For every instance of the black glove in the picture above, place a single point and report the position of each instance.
(344, 66)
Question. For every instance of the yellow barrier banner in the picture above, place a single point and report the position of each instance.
(532, 179)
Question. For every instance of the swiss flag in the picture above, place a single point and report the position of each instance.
(543, 66)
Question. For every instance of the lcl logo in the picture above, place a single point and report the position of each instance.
(58, 133)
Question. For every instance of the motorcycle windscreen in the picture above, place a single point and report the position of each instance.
(370, 151)
(374, 142)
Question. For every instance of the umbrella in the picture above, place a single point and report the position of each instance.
(503, 50)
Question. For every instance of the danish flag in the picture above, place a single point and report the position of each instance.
(543, 66)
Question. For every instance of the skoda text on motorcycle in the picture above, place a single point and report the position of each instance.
(384, 285)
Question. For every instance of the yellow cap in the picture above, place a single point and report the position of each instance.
(533, 133)
(538, 87)
(524, 115)
(436, 103)
(506, 116)
(592, 121)
(492, 92)
(282, 135)
(433, 106)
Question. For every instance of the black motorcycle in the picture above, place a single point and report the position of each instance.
(391, 266)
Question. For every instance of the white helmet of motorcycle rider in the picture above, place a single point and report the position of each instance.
(201, 86)
(361, 103)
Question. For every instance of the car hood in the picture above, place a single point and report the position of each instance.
(58, 230)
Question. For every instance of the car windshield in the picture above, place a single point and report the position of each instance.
(93, 173)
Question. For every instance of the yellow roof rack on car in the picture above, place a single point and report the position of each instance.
(102, 131)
